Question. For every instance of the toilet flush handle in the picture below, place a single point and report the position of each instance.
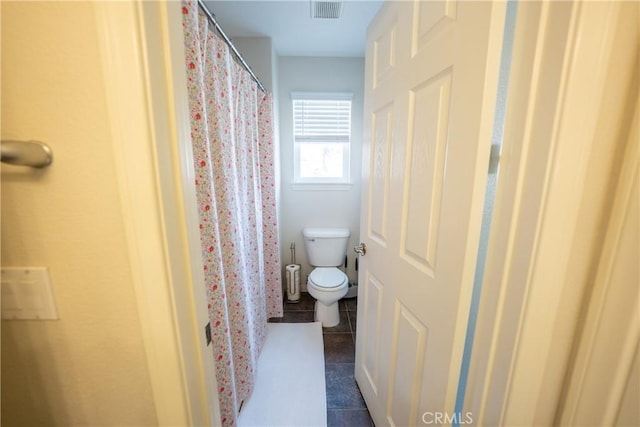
(361, 249)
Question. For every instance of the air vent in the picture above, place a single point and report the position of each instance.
(326, 9)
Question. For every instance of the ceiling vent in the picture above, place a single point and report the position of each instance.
(326, 9)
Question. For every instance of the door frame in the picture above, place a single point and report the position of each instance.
(541, 247)
(601, 387)
(539, 194)
(142, 48)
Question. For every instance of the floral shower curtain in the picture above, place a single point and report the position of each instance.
(232, 136)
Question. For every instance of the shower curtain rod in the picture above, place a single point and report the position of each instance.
(212, 18)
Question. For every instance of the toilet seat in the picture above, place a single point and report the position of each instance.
(327, 277)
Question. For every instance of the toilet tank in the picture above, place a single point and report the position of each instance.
(325, 247)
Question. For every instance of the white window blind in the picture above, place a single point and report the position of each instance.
(321, 119)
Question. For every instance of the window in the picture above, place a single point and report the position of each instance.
(322, 137)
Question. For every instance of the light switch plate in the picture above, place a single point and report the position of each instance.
(27, 293)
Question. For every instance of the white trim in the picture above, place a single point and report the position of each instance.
(489, 100)
(485, 394)
(340, 96)
(611, 332)
(140, 45)
(169, 99)
(527, 311)
(321, 186)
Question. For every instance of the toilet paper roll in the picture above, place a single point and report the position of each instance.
(293, 282)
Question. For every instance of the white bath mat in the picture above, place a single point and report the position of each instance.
(290, 387)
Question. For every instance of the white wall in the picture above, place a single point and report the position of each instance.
(89, 367)
(318, 208)
(258, 53)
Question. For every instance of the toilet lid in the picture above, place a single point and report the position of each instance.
(329, 277)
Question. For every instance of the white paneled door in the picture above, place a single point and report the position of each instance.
(431, 80)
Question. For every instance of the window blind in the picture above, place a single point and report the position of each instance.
(322, 120)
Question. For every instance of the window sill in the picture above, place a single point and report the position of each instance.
(321, 186)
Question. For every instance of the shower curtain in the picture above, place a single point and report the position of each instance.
(232, 137)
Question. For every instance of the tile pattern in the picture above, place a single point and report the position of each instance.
(345, 405)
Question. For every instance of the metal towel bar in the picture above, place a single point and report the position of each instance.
(35, 154)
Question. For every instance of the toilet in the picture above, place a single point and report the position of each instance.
(326, 249)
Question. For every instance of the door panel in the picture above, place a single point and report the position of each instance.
(407, 361)
(430, 86)
(428, 120)
(381, 141)
(383, 51)
(430, 17)
(370, 327)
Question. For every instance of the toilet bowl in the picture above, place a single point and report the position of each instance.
(326, 249)
(327, 285)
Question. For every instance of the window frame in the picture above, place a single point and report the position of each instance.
(342, 182)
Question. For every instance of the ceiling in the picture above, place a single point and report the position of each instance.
(291, 28)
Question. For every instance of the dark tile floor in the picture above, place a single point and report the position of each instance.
(345, 406)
